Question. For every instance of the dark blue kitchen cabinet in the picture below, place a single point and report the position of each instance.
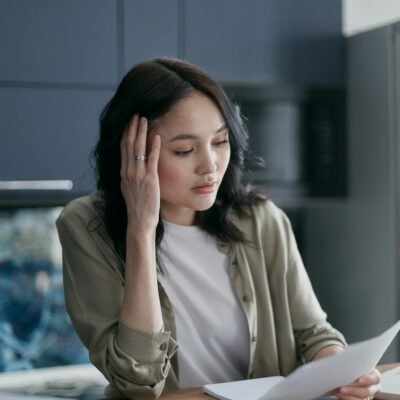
(298, 42)
(66, 42)
(59, 67)
(48, 134)
(150, 30)
(61, 62)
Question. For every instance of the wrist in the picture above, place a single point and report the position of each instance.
(135, 234)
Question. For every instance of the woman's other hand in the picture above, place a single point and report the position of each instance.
(364, 387)
(139, 177)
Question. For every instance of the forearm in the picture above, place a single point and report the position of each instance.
(328, 351)
(132, 361)
(141, 309)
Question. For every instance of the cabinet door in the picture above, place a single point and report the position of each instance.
(150, 30)
(48, 134)
(251, 41)
(72, 41)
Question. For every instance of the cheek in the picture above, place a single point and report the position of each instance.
(170, 176)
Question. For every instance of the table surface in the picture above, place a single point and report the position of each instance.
(189, 394)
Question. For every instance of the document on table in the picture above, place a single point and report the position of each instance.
(390, 382)
(16, 396)
(314, 379)
(249, 389)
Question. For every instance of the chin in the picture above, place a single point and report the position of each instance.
(204, 208)
(205, 205)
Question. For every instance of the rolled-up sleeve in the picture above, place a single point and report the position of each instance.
(312, 340)
(135, 363)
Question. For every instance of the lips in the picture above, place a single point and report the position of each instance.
(205, 188)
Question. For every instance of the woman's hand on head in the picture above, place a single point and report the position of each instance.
(139, 177)
(364, 387)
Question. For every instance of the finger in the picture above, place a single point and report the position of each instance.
(140, 143)
(123, 149)
(152, 163)
(360, 392)
(124, 160)
(372, 378)
(130, 143)
(342, 396)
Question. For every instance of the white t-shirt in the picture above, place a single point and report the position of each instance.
(212, 330)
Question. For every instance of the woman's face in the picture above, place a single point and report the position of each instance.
(194, 156)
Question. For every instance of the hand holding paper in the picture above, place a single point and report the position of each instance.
(316, 378)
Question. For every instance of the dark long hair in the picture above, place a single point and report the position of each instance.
(151, 89)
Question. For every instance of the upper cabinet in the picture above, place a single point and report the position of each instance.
(71, 41)
(266, 40)
(61, 62)
(48, 134)
(150, 29)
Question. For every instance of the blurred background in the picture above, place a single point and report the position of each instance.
(319, 84)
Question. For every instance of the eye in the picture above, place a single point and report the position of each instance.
(221, 142)
(183, 153)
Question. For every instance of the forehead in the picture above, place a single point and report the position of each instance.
(194, 114)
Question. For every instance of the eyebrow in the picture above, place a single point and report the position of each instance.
(190, 136)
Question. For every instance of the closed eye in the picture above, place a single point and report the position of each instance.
(183, 153)
(221, 142)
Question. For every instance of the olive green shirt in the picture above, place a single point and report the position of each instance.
(286, 323)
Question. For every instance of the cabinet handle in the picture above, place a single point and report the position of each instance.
(37, 185)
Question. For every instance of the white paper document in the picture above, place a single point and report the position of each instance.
(15, 396)
(391, 381)
(314, 379)
(239, 390)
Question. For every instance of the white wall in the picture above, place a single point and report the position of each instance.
(361, 15)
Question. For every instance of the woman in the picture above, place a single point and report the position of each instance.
(172, 248)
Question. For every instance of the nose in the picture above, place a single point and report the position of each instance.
(207, 163)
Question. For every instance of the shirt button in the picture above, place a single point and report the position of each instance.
(246, 298)
(254, 339)
(251, 376)
(163, 346)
